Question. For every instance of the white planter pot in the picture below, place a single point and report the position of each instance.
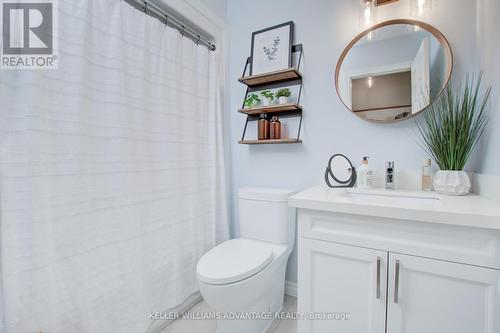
(266, 101)
(452, 182)
(283, 99)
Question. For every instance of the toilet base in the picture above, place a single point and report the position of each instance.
(246, 305)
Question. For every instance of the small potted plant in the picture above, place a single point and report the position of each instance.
(283, 95)
(251, 101)
(268, 97)
(450, 130)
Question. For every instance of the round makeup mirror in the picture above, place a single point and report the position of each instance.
(394, 70)
(341, 171)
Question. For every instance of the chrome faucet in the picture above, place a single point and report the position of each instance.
(389, 175)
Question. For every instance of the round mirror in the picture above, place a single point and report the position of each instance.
(394, 70)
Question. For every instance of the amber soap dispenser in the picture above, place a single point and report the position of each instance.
(275, 128)
(263, 128)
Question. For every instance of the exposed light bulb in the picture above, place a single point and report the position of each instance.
(370, 82)
(419, 7)
(368, 14)
(420, 4)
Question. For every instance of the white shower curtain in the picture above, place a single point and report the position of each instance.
(111, 174)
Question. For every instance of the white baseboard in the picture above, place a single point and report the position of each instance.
(291, 288)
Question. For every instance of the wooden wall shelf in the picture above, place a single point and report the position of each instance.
(278, 108)
(270, 141)
(271, 77)
(273, 80)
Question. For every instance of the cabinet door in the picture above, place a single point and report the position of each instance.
(435, 296)
(340, 279)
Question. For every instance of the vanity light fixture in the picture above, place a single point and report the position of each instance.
(419, 7)
(368, 13)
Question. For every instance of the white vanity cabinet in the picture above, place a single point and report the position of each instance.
(429, 295)
(336, 278)
(391, 275)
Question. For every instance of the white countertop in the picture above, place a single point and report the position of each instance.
(471, 210)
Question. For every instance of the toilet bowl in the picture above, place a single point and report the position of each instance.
(243, 279)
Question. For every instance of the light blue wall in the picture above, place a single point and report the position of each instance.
(489, 28)
(325, 27)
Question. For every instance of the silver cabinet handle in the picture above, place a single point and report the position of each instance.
(396, 283)
(379, 264)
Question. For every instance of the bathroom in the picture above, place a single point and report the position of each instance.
(136, 196)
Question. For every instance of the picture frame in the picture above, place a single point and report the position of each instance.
(271, 48)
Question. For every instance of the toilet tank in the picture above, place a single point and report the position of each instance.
(264, 214)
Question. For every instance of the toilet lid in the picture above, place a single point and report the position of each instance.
(233, 261)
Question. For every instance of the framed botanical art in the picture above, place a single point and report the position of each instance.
(272, 49)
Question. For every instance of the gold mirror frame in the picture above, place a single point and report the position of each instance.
(425, 26)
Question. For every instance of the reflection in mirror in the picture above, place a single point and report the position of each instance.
(394, 71)
(341, 168)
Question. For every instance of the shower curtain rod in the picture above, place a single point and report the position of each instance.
(153, 10)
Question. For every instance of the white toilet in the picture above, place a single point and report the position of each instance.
(246, 276)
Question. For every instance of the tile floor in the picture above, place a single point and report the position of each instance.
(209, 326)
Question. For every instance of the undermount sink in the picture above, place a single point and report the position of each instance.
(390, 194)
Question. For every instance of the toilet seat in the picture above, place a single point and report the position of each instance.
(233, 261)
